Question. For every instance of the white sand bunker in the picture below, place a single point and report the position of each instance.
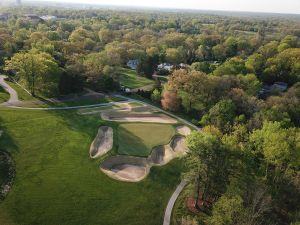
(183, 130)
(126, 168)
(134, 169)
(129, 116)
(161, 155)
(102, 143)
(178, 144)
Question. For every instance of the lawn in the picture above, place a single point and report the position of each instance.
(130, 79)
(4, 96)
(57, 183)
(138, 139)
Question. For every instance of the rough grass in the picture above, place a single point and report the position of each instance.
(130, 79)
(4, 96)
(138, 139)
(57, 183)
(22, 94)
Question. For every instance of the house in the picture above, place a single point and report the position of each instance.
(33, 18)
(48, 17)
(132, 64)
(183, 66)
(4, 16)
(165, 66)
(280, 86)
(269, 89)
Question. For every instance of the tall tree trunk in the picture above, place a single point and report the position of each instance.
(197, 191)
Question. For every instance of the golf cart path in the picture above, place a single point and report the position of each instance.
(13, 94)
(168, 212)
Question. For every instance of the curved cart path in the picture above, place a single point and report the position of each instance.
(13, 94)
(168, 212)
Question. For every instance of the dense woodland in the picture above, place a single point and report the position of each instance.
(244, 165)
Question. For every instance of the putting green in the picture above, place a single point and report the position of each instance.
(138, 139)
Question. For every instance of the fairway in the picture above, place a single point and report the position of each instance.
(57, 182)
(138, 139)
(130, 79)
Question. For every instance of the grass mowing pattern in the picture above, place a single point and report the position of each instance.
(138, 139)
(130, 79)
(57, 183)
(4, 96)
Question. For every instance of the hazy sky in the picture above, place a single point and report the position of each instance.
(282, 6)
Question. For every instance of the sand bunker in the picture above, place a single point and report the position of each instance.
(134, 169)
(102, 143)
(183, 130)
(126, 168)
(125, 116)
(161, 155)
(178, 145)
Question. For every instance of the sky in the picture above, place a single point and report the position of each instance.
(277, 6)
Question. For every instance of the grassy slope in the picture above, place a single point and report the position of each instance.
(57, 183)
(138, 139)
(130, 79)
(23, 95)
(4, 96)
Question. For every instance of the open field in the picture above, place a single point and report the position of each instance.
(130, 79)
(4, 96)
(57, 181)
(138, 139)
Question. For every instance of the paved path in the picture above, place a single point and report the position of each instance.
(13, 94)
(168, 212)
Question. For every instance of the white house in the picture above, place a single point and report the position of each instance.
(132, 64)
(48, 17)
(165, 66)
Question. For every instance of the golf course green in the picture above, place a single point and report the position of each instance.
(57, 183)
(138, 139)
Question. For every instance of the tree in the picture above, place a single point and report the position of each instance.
(175, 55)
(279, 146)
(38, 70)
(207, 162)
(156, 96)
(220, 115)
(255, 63)
(283, 67)
(202, 66)
(233, 66)
(219, 52)
(170, 101)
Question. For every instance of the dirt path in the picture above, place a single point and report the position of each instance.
(13, 94)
